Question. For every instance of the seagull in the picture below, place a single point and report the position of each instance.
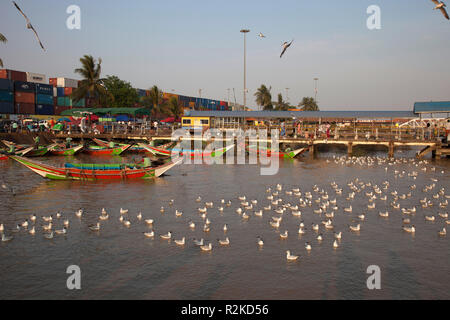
(225, 242)
(149, 234)
(29, 26)
(290, 257)
(95, 227)
(261, 35)
(181, 242)
(285, 46)
(441, 6)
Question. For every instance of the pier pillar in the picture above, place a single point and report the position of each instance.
(391, 149)
(350, 149)
(311, 150)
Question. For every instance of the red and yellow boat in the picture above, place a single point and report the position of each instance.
(76, 171)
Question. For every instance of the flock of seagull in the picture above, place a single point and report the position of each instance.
(321, 204)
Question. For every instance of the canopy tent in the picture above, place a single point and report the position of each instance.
(170, 120)
(102, 111)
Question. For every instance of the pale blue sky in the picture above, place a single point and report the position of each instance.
(187, 45)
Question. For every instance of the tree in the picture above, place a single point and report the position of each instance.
(308, 104)
(91, 86)
(155, 102)
(281, 105)
(4, 40)
(123, 94)
(175, 108)
(264, 97)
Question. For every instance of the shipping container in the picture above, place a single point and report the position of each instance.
(45, 109)
(6, 107)
(55, 92)
(141, 92)
(13, 75)
(79, 104)
(61, 101)
(24, 86)
(36, 78)
(44, 89)
(60, 92)
(44, 99)
(60, 109)
(25, 108)
(24, 97)
(6, 96)
(68, 91)
(67, 83)
(6, 84)
(53, 82)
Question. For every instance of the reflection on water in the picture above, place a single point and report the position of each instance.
(119, 262)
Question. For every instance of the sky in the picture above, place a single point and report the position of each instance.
(185, 46)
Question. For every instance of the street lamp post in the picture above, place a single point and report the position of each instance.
(245, 31)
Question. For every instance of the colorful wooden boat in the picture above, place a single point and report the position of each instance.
(103, 151)
(26, 150)
(72, 171)
(2, 157)
(267, 152)
(58, 150)
(189, 153)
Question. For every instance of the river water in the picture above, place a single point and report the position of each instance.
(118, 262)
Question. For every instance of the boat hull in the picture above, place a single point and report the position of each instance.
(107, 151)
(66, 152)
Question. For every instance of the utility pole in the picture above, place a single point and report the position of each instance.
(316, 81)
(228, 91)
(245, 31)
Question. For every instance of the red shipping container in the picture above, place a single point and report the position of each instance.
(25, 108)
(53, 81)
(13, 75)
(68, 91)
(59, 109)
(24, 97)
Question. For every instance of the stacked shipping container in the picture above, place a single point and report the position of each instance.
(6, 96)
(44, 99)
(24, 97)
(63, 88)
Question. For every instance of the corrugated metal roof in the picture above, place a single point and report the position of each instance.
(432, 107)
(304, 114)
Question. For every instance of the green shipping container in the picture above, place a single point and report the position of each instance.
(67, 102)
(6, 96)
(81, 103)
(61, 101)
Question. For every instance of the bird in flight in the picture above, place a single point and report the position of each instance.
(29, 26)
(441, 6)
(285, 46)
(261, 35)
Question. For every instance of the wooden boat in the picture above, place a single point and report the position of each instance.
(103, 143)
(189, 153)
(72, 171)
(2, 157)
(26, 150)
(267, 152)
(103, 151)
(58, 150)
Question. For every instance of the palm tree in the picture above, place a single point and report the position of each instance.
(4, 40)
(175, 107)
(281, 105)
(308, 104)
(91, 86)
(264, 97)
(155, 101)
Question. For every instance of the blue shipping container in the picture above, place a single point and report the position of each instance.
(44, 89)
(44, 99)
(6, 84)
(6, 96)
(24, 86)
(44, 109)
(60, 92)
(6, 107)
